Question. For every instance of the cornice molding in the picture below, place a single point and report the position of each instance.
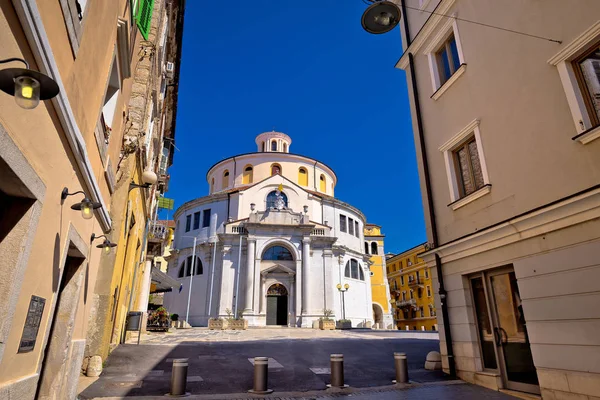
(572, 211)
(432, 24)
(577, 44)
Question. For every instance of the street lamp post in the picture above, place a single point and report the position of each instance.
(343, 291)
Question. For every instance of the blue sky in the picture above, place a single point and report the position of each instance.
(309, 70)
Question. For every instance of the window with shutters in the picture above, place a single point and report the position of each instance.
(587, 71)
(465, 166)
(468, 168)
(143, 17)
(73, 13)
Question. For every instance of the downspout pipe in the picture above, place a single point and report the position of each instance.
(434, 234)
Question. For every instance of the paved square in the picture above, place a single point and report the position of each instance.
(272, 363)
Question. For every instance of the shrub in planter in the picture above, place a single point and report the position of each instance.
(325, 322)
(174, 317)
(217, 324)
(238, 323)
(343, 324)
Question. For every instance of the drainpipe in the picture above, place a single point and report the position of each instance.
(434, 233)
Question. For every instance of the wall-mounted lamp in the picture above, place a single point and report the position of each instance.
(305, 209)
(26, 85)
(148, 177)
(106, 245)
(380, 17)
(252, 207)
(86, 206)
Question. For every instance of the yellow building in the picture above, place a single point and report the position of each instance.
(412, 291)
(382, 314)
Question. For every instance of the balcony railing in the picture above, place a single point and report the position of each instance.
(405, 303)
(158, 232)
(240, 230)
(415, 282)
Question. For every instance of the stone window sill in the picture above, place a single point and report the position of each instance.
(588, 136)
(442, 89)
(470, 198)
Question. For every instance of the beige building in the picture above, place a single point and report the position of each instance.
(52, 271)
(505, 126)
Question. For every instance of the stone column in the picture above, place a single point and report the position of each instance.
(292, 305)
(306, 292)
(298, 289)
(249, 276)
(226, 283)
(257, 284)
(261, 294)
(327, 282)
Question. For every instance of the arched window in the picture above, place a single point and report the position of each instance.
(353, 270)
(277, 253)
(274, 145)
(366, 247)
(212, 185)
(275, 169)
(302, 177)
(186, 267)
(374, 248)
(285, 147)
(271, 199)
(225, 179)
(323, 183)
(247, 176)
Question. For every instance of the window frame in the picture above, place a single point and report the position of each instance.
(196, 224)
(456, 199)
(351, 226)
(206, 214)
(356, 230)
(439, 85)
(470, 171)
(583, 88)
(344, 225)
(188, 222)
(564, 60)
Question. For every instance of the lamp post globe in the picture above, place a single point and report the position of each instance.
(149, 177)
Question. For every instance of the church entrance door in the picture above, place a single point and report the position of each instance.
(277, 305)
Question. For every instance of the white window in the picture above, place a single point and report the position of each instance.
(465, 166)
(578, 65)
(446, 59)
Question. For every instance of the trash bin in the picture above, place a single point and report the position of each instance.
(134, 321)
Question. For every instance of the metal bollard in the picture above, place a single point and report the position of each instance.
(401, 363)
(179, 378)
(337, 371)
(261, 376)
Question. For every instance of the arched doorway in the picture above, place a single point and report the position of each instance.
(378, 315)
(277, 305)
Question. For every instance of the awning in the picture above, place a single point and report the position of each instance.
(162, 282)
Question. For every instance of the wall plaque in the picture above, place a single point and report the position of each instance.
(32, 324)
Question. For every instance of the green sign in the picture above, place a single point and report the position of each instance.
(143, 17)
(165, 203)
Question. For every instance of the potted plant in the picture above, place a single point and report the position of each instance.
(326, 322)
(174, 320)
(219, 323)
(343, 324)
(238, 323)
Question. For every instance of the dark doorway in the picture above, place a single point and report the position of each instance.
(277, 305)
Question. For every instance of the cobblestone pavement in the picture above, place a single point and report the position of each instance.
(451, 390)
(176, 336)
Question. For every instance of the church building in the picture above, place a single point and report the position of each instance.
(272, 242)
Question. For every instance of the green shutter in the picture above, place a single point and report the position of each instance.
(143, 17)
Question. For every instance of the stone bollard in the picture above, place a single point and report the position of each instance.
(261, 376)
(401, 368)
(179, 378)
(433, 361)
(337, 371)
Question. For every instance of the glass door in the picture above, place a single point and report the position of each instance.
(502, 329)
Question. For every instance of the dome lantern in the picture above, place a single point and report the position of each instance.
(275, 142)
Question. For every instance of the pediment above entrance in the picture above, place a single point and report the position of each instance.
(278, 268)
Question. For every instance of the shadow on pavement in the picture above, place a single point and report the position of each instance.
(223, 367)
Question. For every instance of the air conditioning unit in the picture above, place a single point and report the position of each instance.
(170, 69)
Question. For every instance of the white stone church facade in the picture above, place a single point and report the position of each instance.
(272, 242)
